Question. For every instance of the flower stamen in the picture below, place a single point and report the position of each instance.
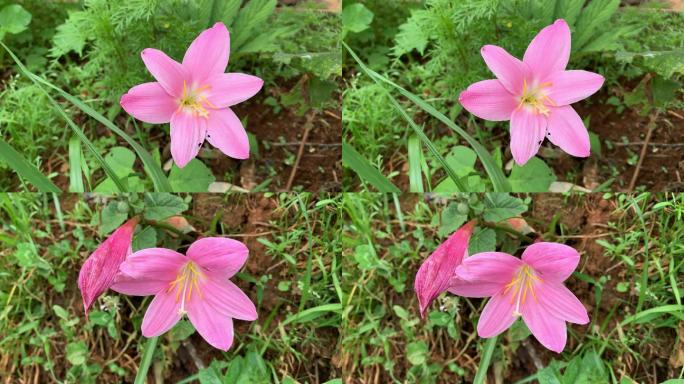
(536, 98)
(195, 101)
(521, 284)
(187, 281)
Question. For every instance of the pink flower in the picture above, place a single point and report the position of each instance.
(196, 285)
(99, 270)
(535, 94)
(436, 271)
(532, 288)
(194, 96)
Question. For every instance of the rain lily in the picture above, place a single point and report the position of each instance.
(531, 287)
(100, 269)
(535, 94)
(195, 96)
(196, 285)
(438, 269)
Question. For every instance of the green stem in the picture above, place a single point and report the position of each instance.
(481, 374)
(146, 360)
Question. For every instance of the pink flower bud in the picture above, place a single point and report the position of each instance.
(436, 271)
(98, 272)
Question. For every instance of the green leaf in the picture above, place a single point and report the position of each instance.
(366, 171)
(77, 353)
(356, 18)
(14, 19)
(194, 177)
(502, 206)
(160, 206)
(483, 240)
(112, 216)
(416, 352)
(121, 161)
(24, 169)
(253, 15)
(70, 36)
(462, 160)
(451, 219)
(534, 176)
(182, 330)
(147, 238)
(595, 15)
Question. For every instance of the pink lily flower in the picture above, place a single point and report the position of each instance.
(195, 96)
(535, 94)
(437, 270)
(196, 285)
(101, 267)
(531, 287)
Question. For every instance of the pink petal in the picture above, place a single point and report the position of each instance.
(150, 103)
(219, 254)
(553, 261)
(226, 133)
(228, 299)
(214, 327)
(154, 263)
(569, 87)
(497, 315)
(168, 72)
(489, 267)
(488, 100)
(208, 53)
(509, 70)
(549, 330)
(566, 130)
(100, 269)
(187, 136)
(560, 302)
(527, 133)
(467, 289)
(434, 274)
(549, 51)
(162, 314)
(138, 287)
(228, 89)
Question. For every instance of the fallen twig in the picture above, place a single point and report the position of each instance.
(642, 155)
(307, 128)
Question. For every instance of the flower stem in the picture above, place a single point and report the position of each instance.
(146, 360)
(484, 362)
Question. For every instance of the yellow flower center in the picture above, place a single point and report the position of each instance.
(522, 283)
(194, 100)
(187, 280)
(536, 98)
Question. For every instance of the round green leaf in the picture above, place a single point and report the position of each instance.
(14, 19)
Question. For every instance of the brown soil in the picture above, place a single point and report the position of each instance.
(663, 165)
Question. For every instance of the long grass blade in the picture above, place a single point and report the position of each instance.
(75, 170)
(366, 170)
(498, 179)
(25, 169)
(159, 180)
(415, 160)
(77, 130)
